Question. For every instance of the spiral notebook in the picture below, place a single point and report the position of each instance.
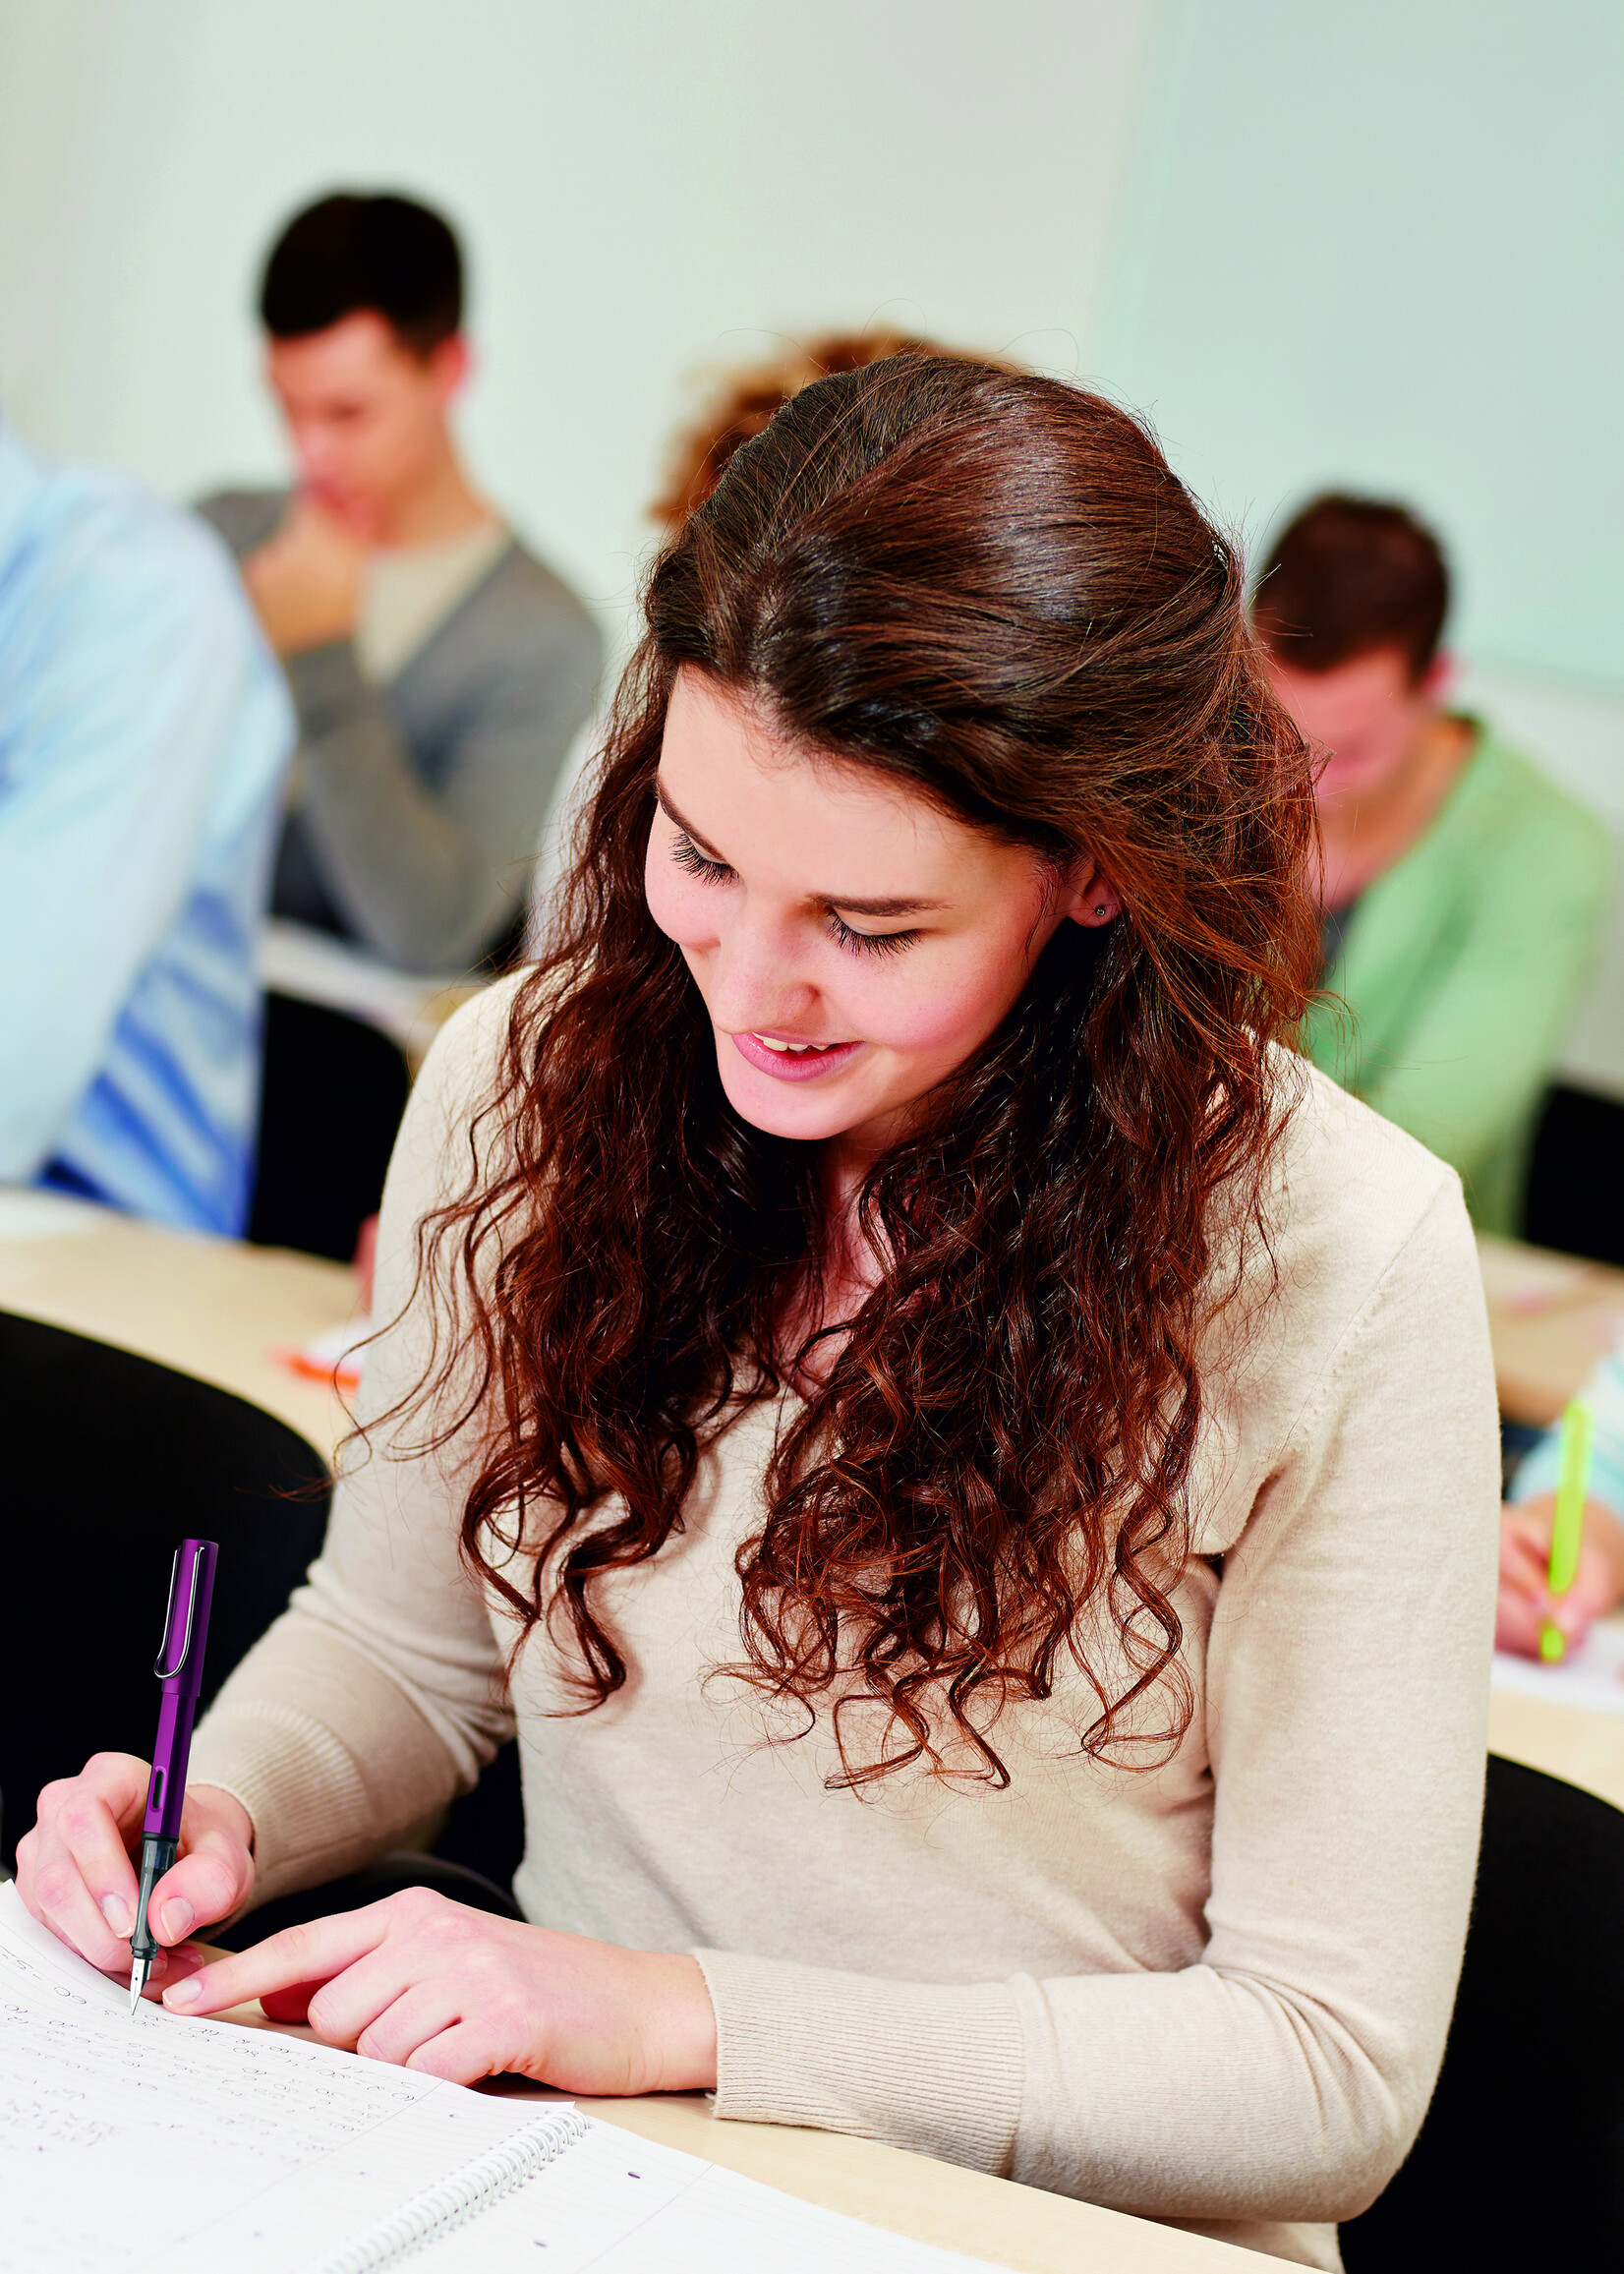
(151, 2141)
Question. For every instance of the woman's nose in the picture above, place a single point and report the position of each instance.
(756, 978)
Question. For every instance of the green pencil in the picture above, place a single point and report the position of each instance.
(1567, 1530)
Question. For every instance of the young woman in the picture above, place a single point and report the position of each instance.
(971, 1469)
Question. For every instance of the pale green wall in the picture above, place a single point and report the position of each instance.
(1381, 244)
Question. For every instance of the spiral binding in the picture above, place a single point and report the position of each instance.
(438, 2209)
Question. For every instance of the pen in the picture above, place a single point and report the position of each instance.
(1568, 1526)
(179, 1667)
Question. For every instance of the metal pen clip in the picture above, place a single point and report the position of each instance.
(169, 1674)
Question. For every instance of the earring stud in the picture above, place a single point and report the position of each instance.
(1099, 907)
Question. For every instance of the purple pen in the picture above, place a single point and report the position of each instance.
(179, 1667)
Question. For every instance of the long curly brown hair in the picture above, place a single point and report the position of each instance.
(991, 588)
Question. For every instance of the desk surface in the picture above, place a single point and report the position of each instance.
(935, 2202)
(1580, 1745)
(214, 1309)
(1551, 1317)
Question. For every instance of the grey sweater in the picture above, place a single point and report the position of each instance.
(423, 799)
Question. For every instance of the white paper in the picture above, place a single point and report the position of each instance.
(146, 2140)
(27, 1213)
(617, 2204)
(1593, 1675)
(334, 1355)
(138, 2141)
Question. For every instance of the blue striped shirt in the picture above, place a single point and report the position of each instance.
(145, 731)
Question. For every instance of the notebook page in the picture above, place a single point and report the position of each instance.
(1593, 1675)
(617, 2204)
(138, 2141)
(135, 2141)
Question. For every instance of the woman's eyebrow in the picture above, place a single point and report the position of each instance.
(857, 908)
(877, 907)
(687, 827)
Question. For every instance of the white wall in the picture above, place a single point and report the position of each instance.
(1381, 246)
(645, 188)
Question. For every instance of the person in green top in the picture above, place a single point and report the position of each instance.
(1462, 891)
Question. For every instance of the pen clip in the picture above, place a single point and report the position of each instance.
(169, 1674)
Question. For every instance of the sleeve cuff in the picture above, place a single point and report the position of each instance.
(939, 2069)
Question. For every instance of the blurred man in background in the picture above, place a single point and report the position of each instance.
(145, 734)
(438, 669)
(1462, 891)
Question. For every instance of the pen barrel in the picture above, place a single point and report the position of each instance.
(171, 1752)
(179, 1667)
(1567, 1530)
(156, 1856)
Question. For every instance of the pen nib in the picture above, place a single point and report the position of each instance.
(139, 1972)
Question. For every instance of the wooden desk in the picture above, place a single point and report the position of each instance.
(1580, 1746)
(935, 2202)
(958, 2210)
(1550, 1319)
(214, 1309)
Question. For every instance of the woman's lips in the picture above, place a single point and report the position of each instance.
(804, 1063)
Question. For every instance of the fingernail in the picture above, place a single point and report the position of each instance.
(116, 1911)
(177, 1920)
(183, 1993)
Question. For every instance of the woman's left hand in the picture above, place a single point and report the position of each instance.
(452, 1992)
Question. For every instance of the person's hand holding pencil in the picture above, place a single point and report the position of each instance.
(1557, 1577)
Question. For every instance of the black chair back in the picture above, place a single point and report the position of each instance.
(1521, 2159)
(332, 1097)
(112, 1461)
(1575, 1192)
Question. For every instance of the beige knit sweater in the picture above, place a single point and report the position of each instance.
(1215, 1993)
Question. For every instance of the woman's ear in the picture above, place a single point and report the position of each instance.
(1091, 899)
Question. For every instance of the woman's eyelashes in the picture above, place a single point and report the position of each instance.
(693, 862)
(868, 942)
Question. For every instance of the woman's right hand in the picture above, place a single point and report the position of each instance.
(76, 1875)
